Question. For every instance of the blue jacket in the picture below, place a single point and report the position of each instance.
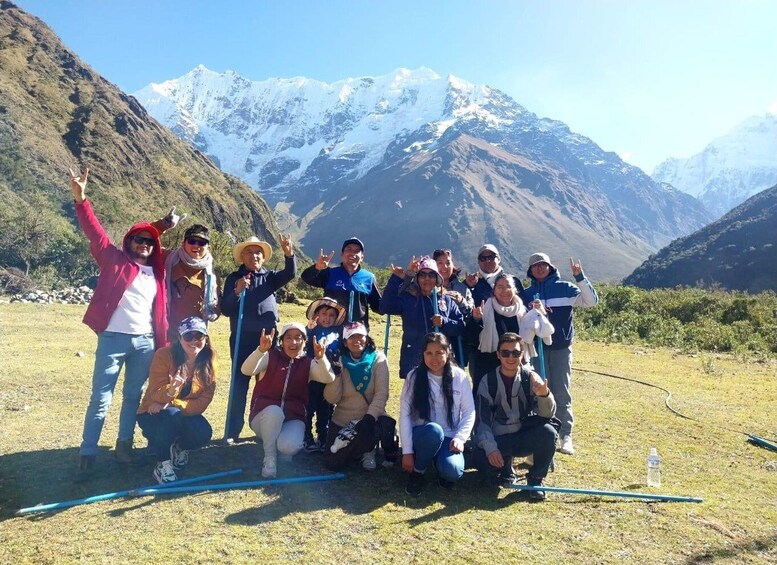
(561, 297)
(338, 284)
(416, 312)
(334, 337)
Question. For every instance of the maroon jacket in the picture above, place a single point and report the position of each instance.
(285, 384)
(118, 270)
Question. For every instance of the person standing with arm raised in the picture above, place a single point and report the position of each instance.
(260, 311)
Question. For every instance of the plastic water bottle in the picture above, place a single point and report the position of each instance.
(653, 468)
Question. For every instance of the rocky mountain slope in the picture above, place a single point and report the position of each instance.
(731, 168)
(411, 161)
(56, 112)
(737, 252)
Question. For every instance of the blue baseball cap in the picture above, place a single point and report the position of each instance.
(192, 324)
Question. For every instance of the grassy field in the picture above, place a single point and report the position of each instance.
(44, 387)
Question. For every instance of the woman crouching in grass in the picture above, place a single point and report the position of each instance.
(281, 392)
(436, 416)
(181, 383)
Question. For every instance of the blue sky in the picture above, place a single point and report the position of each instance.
(647, 79)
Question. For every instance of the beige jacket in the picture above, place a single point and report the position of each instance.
(349, 403)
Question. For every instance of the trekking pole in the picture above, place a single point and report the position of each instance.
(386, 339)
(618, 493)
(350, 308)
(242, 301)
(540, 349)
(435, 307)
(230, 486)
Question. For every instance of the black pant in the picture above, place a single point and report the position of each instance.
(384, 432)
(539, 441)
(320, 408)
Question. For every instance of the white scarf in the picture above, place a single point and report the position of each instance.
(491, 277)
(489, 336)
(206, 264)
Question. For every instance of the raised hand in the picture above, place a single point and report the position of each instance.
(172, 219)
(471, 279)
(576, 266)
(412, 266)
(538, 306)
(323, 260)
(78, 185)
(319, 348)
(477, 311)
(538, 386)
(455, 295)
(265, 341)
(398, 271)
(242, 283)
(288, 251)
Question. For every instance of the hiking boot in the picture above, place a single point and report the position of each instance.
(368, 461)
(565, 445)
(164, 472)
(125, 452)
(312, 446)
(535, 495)
(415, 483)
(178, 456)
(86, 468)
(269, 467)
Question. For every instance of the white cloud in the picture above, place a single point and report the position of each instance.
(772, 109)
(626, 156)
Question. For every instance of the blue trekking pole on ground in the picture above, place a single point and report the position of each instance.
(242, 301)
(540, 349)
(386, 339)
(435, 306)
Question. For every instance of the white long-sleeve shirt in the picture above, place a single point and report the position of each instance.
(463, 409)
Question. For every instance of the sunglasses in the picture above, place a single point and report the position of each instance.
(196, 241)
(427, 275)
(140, 240)
(193, 336)
(509, 353)
(486, 257)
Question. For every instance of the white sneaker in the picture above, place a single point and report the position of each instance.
(179, 457)
(368, 461)
(269, 467)
(565, 445)
(164, 472)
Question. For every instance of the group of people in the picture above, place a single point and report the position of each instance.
(324, 386)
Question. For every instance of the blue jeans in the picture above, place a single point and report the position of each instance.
(165, 427)
(113, 351)
(431, 446)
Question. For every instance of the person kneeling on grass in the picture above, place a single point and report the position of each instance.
(181, 384)
(436, 415)
(360, 394)
(514, 417)
(281, 391)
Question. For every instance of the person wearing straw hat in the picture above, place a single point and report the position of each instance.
(281, 391)
(352, 286)
(325, 323)
(260, 311)
(421, 314)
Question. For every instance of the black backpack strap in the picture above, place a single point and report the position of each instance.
(492, 384)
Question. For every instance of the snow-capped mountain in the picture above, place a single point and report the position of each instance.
(730, 169)
(321, 151)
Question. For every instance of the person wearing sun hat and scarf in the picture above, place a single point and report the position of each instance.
(260, 311)
(360, 393)
(192, 286)
(418, 312)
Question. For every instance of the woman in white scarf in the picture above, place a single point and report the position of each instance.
(192, 287)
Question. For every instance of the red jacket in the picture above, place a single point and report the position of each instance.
(118, 270)
(285, 384)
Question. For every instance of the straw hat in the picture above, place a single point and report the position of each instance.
(331, 303)
(237, 250)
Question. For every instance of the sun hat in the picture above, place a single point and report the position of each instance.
(427, 263)
(192, 324)
(237, 250)
(293, 326)
(539, 258)
(314, 307)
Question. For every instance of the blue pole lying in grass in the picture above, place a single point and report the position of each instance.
(230, 486)
(618, 493)
(119, 494)
(241, 298)
(762, 442)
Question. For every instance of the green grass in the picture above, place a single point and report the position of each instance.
(44, 389)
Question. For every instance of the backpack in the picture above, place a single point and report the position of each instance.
(527, 416)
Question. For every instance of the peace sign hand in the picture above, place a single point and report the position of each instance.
(323, 260)
(265, 341)
(286, 247)
(576, 266)
(412, 266)
(398, 271)
(78, 185)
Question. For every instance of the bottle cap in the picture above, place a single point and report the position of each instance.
(653, 451)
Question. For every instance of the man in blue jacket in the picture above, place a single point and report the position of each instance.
(559, 298)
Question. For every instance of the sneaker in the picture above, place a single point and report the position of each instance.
(368, 461)
(344, 436)
(164, 472)
(535, 495)
(86, 468)
(312, 446)
(125, 452)
(507, 480)
(415, 483)
(179, 457)
(565, 445)
(447, 485)
(269, 467)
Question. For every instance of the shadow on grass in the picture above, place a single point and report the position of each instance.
(762, 548)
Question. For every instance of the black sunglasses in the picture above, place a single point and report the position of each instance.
(486, 257)
(509, 353)
(427, 275)
(193, 336)
(196, 241)
(140, 240)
